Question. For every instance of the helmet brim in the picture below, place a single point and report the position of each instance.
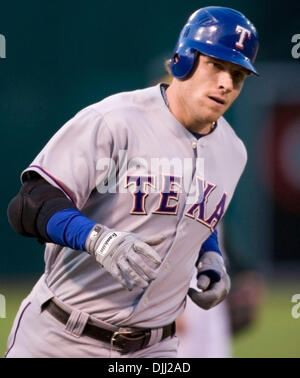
(223, 53)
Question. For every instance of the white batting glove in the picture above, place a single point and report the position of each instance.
(132, 261)
(213, 281)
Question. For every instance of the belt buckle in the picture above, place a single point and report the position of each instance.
(121, 343)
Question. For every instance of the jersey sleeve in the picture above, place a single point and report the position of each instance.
(70, 160)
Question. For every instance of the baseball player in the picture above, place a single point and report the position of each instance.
(127, 196)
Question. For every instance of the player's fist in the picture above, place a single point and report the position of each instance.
(212, 280)
(132, 261)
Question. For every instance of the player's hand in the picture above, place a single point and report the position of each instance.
(213, 281)
(132, 261)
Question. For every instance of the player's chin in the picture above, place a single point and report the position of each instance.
(213, 115)
(216, 110)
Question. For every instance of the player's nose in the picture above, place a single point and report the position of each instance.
(225, 81)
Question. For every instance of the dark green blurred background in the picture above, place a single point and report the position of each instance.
(65, 55)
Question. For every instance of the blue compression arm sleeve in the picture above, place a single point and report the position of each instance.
(69, 228)
(211, 244)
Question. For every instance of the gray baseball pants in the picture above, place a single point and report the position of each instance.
(37, 334)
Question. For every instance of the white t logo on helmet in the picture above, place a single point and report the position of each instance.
(244, 33)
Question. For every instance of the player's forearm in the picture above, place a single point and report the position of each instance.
(211, 244)
(69, 228)
(132, 261)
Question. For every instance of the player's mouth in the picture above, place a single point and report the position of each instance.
(217, 100)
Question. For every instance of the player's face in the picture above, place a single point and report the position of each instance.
(212, 88)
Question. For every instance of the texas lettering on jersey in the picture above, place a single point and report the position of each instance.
(197, 211)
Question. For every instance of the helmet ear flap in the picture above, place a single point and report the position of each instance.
(183, 62)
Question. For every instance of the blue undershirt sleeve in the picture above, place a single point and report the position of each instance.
(69, 228)
(211, 244)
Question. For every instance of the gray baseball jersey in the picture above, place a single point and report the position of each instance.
(127, 163)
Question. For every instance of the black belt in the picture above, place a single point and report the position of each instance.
(123, 341)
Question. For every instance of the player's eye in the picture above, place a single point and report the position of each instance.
(217, 65)
(238, 76)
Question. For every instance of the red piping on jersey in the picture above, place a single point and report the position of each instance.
(56, 182)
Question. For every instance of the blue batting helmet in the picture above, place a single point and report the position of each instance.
(219, 32)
